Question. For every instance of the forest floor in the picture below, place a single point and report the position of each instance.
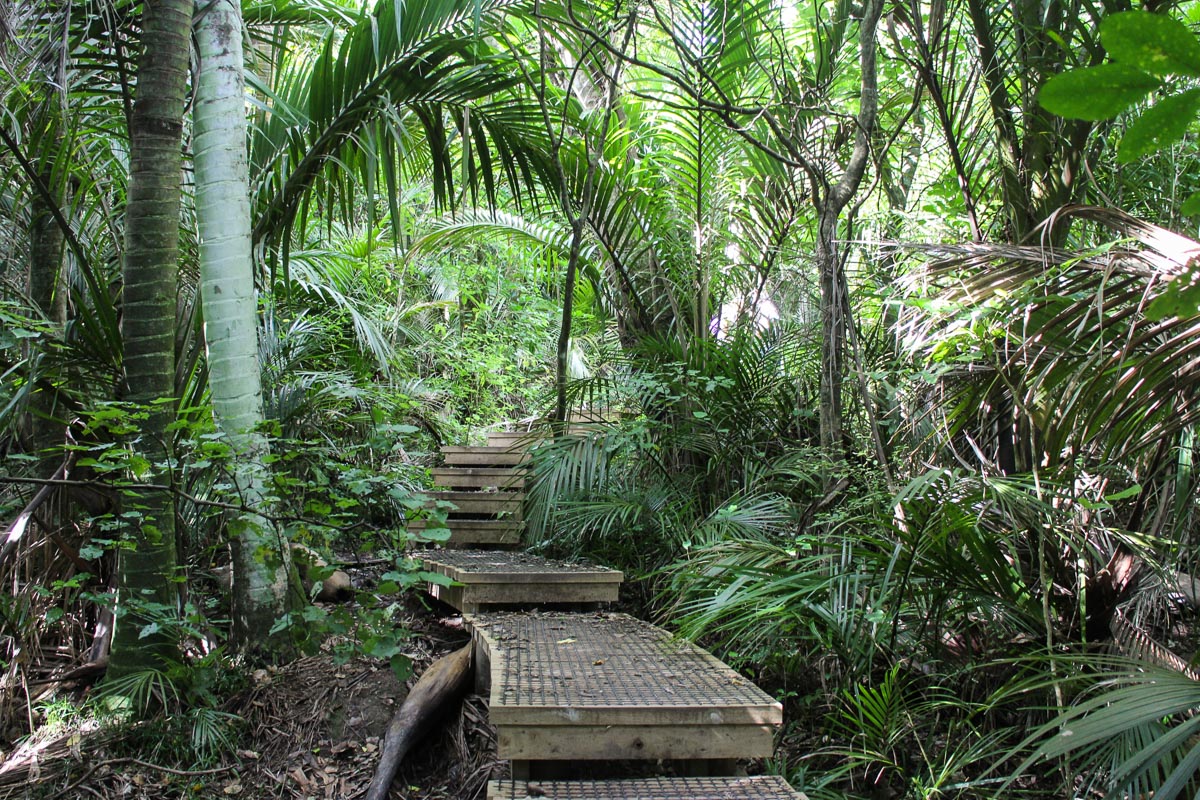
(311, 729)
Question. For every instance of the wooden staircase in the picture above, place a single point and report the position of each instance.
(584, 685)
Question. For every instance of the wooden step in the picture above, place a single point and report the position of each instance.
(505, 578)
(480, 504)
(760, 787)
(478, 477)
(515, 440)
(478, 532)
(608, 686)
(483, 456)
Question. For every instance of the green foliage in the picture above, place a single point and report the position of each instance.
(1128, 730)
(1096, 93)
(1150, 52)
(398, 80)
(178, 706)
(365, 630)
(1145, 47)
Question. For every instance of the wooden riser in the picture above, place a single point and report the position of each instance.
(483, 456)
(478, 478)
(514, 440)
(630, 742)
(507, 504)
(492, 578)
(761, 787)
(479, 532)
(474, 599)
(608, 686)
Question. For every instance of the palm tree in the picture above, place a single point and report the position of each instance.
(146, 572)
(263, 577)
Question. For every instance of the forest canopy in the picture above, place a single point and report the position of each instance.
(860, 335)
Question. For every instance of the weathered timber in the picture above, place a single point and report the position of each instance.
(478, 478)
(477, 532)
(500, 578)
(608, 686)
(481, 503)
(483, 456)
(760, 787)
(446, 680)
(515, 440)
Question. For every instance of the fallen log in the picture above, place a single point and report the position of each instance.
(445, 681)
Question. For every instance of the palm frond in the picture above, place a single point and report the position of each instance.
(351, 109)
(1066, 332)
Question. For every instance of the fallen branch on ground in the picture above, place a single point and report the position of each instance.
(445, 681)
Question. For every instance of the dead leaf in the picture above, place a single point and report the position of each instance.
(297, 774)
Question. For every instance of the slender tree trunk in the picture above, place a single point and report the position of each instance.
(593, 147)
(45, 262)
(261, 558)
(827, 253)
(1040, 155)
(146, 589)
(833, 332)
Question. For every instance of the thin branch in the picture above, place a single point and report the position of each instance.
(241, 508)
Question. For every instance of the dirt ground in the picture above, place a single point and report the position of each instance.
(313, 731)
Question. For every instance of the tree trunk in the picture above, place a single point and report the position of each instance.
(833, 332)
(261, 559)
(828, 256)
(146, 589)
(45, 262)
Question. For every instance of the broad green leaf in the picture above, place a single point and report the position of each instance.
(401, 667)
(1159, 126)
(436, 578)
(435, 535)
(1124, 494)
(1181, 298)
(1096, 93)
(1191, 206)
(1153, 43)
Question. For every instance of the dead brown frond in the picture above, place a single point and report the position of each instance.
(1054, 345)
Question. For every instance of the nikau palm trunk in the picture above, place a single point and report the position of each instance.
(261, 563)
(146, 589)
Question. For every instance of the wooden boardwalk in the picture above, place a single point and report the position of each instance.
(762, 787)
(478, 532)
(611, 687)
(491, 578)
(489, 456)
(583, 686)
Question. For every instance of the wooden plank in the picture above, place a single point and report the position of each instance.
(527, 579)
(480, 503)
(759, 787)
(478, 477)
(515, 568)
(515, 440)
(496, 578)
(464, 532)
(483, 456)
(633, 742)
(470, 598)
(567, 686)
